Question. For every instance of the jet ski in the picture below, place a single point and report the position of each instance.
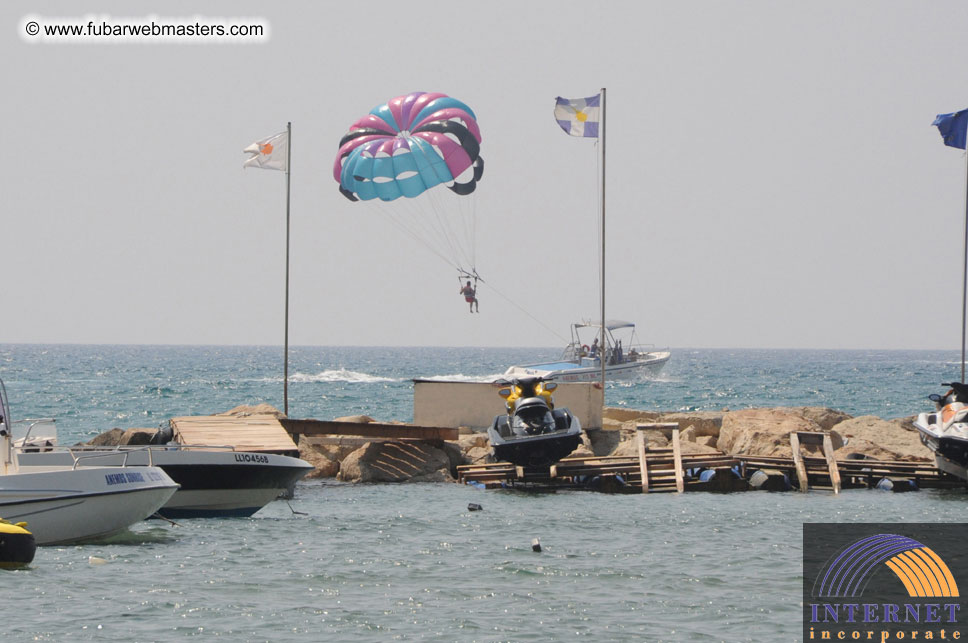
(532, 433)
(946, 430)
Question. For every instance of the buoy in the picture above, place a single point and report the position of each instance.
(758, 479)
(897, 485)
(96, 560)
(770, 480)
(17, 545)
(884, 484)
(536, 545)
(474, 507)
(707, 475)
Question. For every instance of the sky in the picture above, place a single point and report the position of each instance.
(772, 176)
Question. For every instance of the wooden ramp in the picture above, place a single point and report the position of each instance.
(612, 473)
(826, 448)
(855, 474)
(255, 433)
(668, 469)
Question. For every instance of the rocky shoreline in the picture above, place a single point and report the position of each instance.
(756, 431)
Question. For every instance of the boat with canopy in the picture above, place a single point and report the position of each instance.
(581, 361)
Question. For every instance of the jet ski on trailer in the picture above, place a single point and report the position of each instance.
(946, 430)
(533, 433)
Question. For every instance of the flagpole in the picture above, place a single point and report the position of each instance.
(964, 274)
(602, 329)
(285, 370)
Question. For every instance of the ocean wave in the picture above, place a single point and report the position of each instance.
(339, 375)
(460, 377)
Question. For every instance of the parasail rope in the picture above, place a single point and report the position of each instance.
(564, 339)
(395, 218)
(415, 235)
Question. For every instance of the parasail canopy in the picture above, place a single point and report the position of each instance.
(409, 145)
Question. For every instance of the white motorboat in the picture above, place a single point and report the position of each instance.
(70, 504)
(216, 482)
(581, 361)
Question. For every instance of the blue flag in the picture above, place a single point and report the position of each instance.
(953, 128)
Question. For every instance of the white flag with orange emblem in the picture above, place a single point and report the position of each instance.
(269, 153)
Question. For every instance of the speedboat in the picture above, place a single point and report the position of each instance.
(70, 504)
(582, 362)
(533, 433)
(945, 431)
(216, 482)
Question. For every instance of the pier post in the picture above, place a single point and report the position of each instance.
(643, 467)
(798, 463)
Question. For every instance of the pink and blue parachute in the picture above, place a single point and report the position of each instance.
(409, 145)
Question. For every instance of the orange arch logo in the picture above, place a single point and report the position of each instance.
(920, 569)
(923, 573)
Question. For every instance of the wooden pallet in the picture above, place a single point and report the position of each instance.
(857, 474)
(254, 433)
(668, 469)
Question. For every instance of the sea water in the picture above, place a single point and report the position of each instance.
(348, 562)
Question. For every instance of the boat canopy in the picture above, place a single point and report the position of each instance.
(610, 324)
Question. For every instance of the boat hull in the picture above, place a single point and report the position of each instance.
(950, 451)
(214, 483)
(539, 451)
(542, 450)
(62, 506)
(588, 371)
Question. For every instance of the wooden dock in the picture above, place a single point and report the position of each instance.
(379, 430)
(611, 473)
(669, 470)
(857, 474)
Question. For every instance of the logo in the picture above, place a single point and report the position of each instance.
(883, 582)
(920, 570)
(265, 149)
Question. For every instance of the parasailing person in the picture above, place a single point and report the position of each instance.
(470, 296)
(400, 155)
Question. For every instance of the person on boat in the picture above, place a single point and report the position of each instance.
(593, 351)
(470, 296)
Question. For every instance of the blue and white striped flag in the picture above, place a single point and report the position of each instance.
(579, 116)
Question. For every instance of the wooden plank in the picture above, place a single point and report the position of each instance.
(665, 427)
(255, 433)
(828, 451)
(810, 437)
(643, 466)
(677, 456)
(798, 462)
(370, 429)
